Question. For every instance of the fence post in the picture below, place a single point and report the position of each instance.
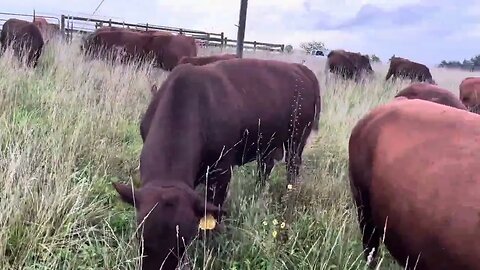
(181, 31)
(110, 22)
(62, 23)
(282, 47)
(146, 27)
(222, 36)
(255, 46)
(242, 21)
(33, 15)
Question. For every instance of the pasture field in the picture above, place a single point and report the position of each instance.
(71, 127)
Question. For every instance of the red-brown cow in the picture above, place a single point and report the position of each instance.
(431, 93)
(414, 175)
(206, 119)
(470, 93)
(25, 39)
(48, 30)
(204, 60)
(127, 45)
(404, 68)
(349, 65)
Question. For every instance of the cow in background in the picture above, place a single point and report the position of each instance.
(24, 37)
(404, 68)
(48, 30)
(349, 65)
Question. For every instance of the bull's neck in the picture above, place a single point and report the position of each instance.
(173, 146)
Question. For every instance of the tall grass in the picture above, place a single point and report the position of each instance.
(70, 127)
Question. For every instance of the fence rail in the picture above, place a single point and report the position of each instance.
(71, 25)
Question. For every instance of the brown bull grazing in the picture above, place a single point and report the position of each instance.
(205, 120)
(431, 93)
(349, 65)
(127, 45)
(404, 68)
(470, 93)
(25, 39)
(48, 30)
(414, 175)
(204, 60)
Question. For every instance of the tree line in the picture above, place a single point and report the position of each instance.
(471, 65)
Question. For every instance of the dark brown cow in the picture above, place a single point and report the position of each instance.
(206, 119)
(349, 65)
(431, 93)
(203, 60)
(470, 93)
(48, 30)
(166, 49)
(414, 174)
(174, 48)
(404, 68)
(25, 39)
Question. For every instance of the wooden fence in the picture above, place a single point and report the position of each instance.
(75, 24)
(71, 25)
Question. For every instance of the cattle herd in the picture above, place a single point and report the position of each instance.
(412, 161)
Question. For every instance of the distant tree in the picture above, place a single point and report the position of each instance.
(289, 48)
(375, 59)
(312, 46)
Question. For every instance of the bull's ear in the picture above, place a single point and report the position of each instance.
(127, 193)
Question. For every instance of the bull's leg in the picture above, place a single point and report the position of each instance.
(371, 235)
(217, 191)
(268, 162)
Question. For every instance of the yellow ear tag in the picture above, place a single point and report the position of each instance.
(208, 222)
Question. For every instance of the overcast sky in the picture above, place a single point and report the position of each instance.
(422, 30)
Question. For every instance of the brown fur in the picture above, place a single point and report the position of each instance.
(349, 65)
(204, 60)
(206, 119)
(20, 34)
(414, 168)
(431, 93)
(166, 49)
(404, 68)
(469, 92)
(48, 30)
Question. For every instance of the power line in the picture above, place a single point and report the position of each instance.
(101, 2)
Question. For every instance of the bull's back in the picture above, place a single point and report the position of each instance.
(424, 184)
(268, 88)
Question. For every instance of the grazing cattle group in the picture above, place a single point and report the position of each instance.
(411, 161)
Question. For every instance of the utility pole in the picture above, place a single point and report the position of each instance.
(241, 27)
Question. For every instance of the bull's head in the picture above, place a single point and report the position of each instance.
(170, 216)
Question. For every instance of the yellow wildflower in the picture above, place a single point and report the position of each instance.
(282, 225)
(275, 222)
(265, 223)
(274, 234)
(289, 186)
